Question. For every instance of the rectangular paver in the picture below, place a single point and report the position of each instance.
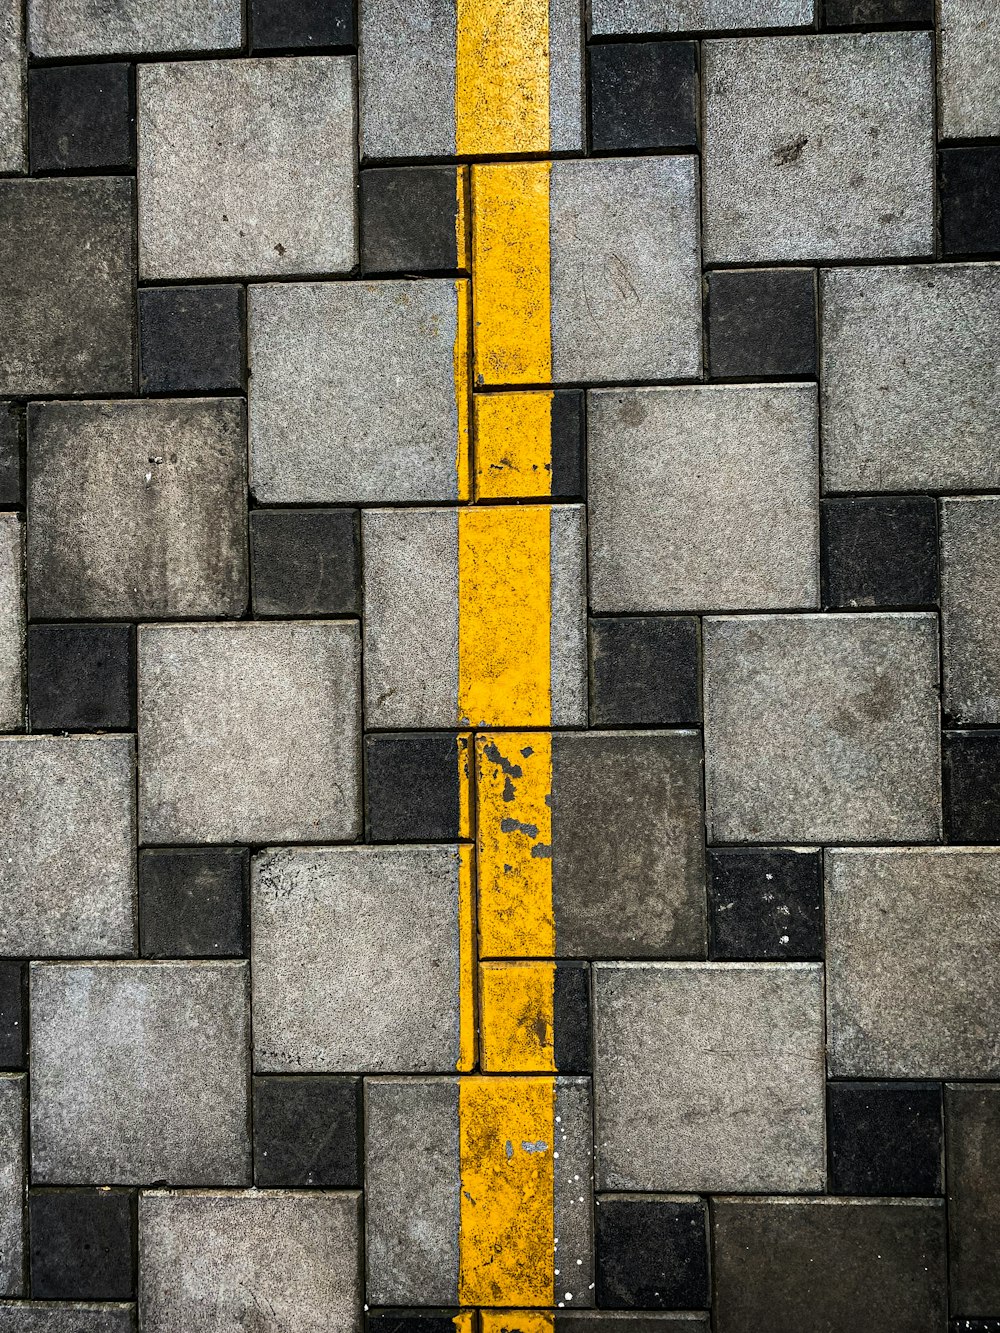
(13, 1122)
(12, 87)
(106, 27)
(970, 605)
(611, 17)
(12, 623)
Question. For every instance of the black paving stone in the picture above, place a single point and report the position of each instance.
(571, 1018)
(644, 671)
(81, 1244)
(884, 1138)
(643, 95)
(765, 903)
(394, 1322)
(81, 117)
(568, 445)
(278, 25)
(13, 1016)
(970, 200)
(971, 762)
(306, 1132)
(879, 551)
(193, 902)
(11, 454)
(408, 219)
(192, 339)
(761, 322)
(413, 787)
(305, 562)
(81, 677)
(864, 13)
(651, 1254)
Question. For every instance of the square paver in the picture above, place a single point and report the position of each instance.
(643, 95)
(67, 876)
(12, 624)
(110, 27)
(12, 84)
(971, 785)
(910, 396)
(652, 1252)
(82, 1244)
(307, 1132)
(247, 167)
(709, 1076)
(912, 972)
(137, 509)
(250, 732)
(306, 562)
(703, 498)
(610, 17)
(880, 551)
(970, 606)
(972, 1120)
(885, 1138)
(81, 677)
(140, 1073)
(192, 339)
(13, 1109)
(193, 902)
(822, 728)
(81, 117)
(819, 147)
(761, 323)
(329, 426)
(969, 69)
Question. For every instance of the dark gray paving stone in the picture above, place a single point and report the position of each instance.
(410, 219)
(627, 1321)
(571, 1038)
(651, 1252)
(761, 323)
(193, 902)
(307, 1132)
(65, 1317)
(192, 339)
(13, 1016)
(765, 903)
(643, 95)
(82, 1244)
(111, 27)
(11, 454)
(13, 1120)
(971, 773)
(81, 677)
(305, 562)
(972, 1131)
(644, 671)
(414, 786)
(970, 200)
(885, 1138)
(300, 25)
(81, 117)
(872, 13)
(968, 69)
(879, 551)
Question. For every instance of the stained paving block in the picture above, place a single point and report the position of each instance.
(703, 498)
(709, 1076)
(140, 1073)
(610, 17)
(880, 551)
(65, 1317)
(417, 787)
(329, 426)
(822, 728)
(652, 1253)
(12, 623)
(12, 75)
(81, 117)
(970, 606)
(968, 69)
(67, 263)
(11, 451)
(859, 13)
(335, 925)
(272, 192)
(192, 339)
(249, 732)
(231, 1262)
(13, 1016)
(530, 444)
(413, 219)
(300, 24)
(818, 147)
(307, 1132)
(971, 786)
(643, 95)
(13, 1119)
(534, 1017)
(765, 903)
(972, 1123)
(885, 1138)
(305, 562)
(81, 677)
(911, 963)
(644, 671)
(807, 1265)
(68, 874)
(81, 1244)
(970, 200)
(138, 510)
(907, 353)
(111, 27)
(628, 1321)
(761, 323)
(193, 902)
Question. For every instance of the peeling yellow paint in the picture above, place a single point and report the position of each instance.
(516, 1018)
(463, 402)
(502, 77)
(464, 1321)
(466, 962)
(512, 435)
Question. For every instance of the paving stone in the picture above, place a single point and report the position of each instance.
(703, 498)
(972, 1123)
(642, 16)
(307, 1132)
(885, 1138)
(822, 728)
(67, 266)
(412, 219)
(971, 774)
(861, 13)
(765, 903)
(334, 925)
(530, 444)
(81, 117)
(232, 1262)
(905, 999)
(818, 147)
(970, 606)
(393, 1321)
(709, 1076)
(627, 1321)
(138, 510)
(330, 427)
(306, 562)
(907, 365)
(193, 902)
(249, 732)
(970, 200)
(643, 95)
(12, 71)
(11, 451)
(761, 323)
(64, 1317)
(81, 677)
(13, 1114)
(534, 1016)
(247, 167)
(139, 1073)
(879, 551)
(571, 1044)
(81, 1244)
(68, 876)
(12, 627)
(192, 339)
(806, 1265)
(277, 25)
(110, 27)
(644, 671)
(652, 1253)
(13, 1016)
(417, 787)
(968, 70)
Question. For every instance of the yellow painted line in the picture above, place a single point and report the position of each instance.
(510, 270)
(466, 760)
(512, 435)
(462, 247)
(466, 962)
(463, 404)
(517, 1018)
(502, 77)
(507, 1220)
(517, 1321)
(464, 1321)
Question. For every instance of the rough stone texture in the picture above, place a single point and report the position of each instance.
(140, 1073)
(765, 903)
(885, 1138)
(192, 339)
(137, 510)
(66, 286)
(12, 70)
(761, 322)
(81, 677)
(67, 876)
(12, 627)
(82, 1244)
(643, 95)
(822, 728)
(247, 168)
(250, 732)
(329, 426)
(307, 1132)
(809, 1265)
(13, 1118)
(409, 218)
(913, 979)
(332, 928)
(703, 498)
(131, 27)
(11, 451)
(645, 671)
(972, 1121)
(641, 16)
(970, 606)
(652, 1251)
(193, 902)
(66, 1317)
(81, 117)
(242, 1261)
(709, 1076)
(818, 147)
(971, 785)
(969, 68)
(969, 193)
(910, 396)
(880, 551)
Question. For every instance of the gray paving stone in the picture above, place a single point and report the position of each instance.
(66, 287)
(970, 606)
(912, 949)
(13, 1120)
(969, 68)
(703, 498)
(137, 509)
(642, 16)
(12, 627)
(972, 1155)
(235, 1262)
(330, 426)
(67, 876)
(65, 1317)
(127, 27)
(910, 394)
(819, 147)
(140, 1073)
(632, 1321)
(249, 732)
(247, 167)
(336, 926)
(12, 87)
(709, 1076)
(822, 728)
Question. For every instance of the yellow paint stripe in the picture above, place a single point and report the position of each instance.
(517, 1321)
(466, 760)
(466, 962)
(462, 248)
(507, 1221)
(464, 1321)
(512, 435)
(516, 1018)
(502, 77)
(510, 269)
(463, 404)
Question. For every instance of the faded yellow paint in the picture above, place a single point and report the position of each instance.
(464, 1321)
(463, 395)
(507, 1222)
(466, 962)
(512, 434)
(510, 269)
(517, 1321)
(466, 760)
(502, 77)
(462, 218)
(516, 1018)
(514, 832)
